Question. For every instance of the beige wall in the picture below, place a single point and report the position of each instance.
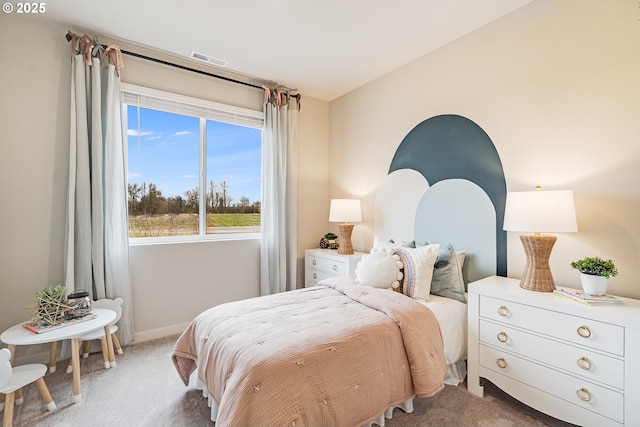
(34, 140)
(171, 283)
(555, 86)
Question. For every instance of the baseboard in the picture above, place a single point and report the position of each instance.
(153, 334)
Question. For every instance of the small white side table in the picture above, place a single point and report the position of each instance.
(18, 335)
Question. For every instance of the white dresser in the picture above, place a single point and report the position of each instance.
(575, 362)
(323, 263)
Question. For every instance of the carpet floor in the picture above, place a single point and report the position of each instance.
(145, 390)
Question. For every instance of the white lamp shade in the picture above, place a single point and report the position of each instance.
(540, 211)
(345, 210)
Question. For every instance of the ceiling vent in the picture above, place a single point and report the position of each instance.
(209, 59)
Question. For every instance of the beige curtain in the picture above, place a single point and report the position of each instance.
(278, 263)
(97, 243)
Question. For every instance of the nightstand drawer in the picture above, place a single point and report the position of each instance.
(333, 267)
(577, 391)
(571, 359)
(314, 276)
(586, 332)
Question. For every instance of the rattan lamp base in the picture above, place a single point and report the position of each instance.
(537, 274)
(345, 247)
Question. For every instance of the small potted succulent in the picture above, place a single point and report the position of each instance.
(595, 273)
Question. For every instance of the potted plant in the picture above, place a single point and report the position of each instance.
(331, 237)
(595, 273)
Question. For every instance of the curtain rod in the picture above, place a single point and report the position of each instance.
(70, 35)
(182, 67)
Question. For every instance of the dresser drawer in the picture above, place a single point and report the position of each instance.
(334, 268)
(579, 392)
(578, 330)
(591, 366)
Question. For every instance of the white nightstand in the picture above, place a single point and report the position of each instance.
(575, 362)
(323, 263)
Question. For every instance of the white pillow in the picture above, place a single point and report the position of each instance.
(379, 269)
(418, 269)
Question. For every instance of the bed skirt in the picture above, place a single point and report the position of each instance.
(406, 406)
(456, 374)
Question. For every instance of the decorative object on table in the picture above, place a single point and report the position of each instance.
(328, 241)
(51, 307)
(594, 274)
(345, 211)
(80, 303)
(539, 211)
(585, 298)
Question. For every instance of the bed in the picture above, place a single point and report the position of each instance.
(336, 354)
(349, 351)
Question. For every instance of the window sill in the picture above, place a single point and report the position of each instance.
(145, 241)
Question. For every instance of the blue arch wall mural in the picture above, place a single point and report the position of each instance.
(449, 147)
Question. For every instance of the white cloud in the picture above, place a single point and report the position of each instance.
(189, 176)
(134, 132)
(181, 133)
(133, 175)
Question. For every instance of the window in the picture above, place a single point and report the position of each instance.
(194, 167)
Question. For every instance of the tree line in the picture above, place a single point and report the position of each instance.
(147, 199)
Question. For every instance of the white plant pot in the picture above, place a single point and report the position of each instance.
(594, 285)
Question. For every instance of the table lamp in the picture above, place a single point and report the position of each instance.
(345, 211)
(539, 211)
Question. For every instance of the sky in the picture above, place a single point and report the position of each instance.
(163, 149)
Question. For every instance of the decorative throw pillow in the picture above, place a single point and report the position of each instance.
(379, 269)
(461, 255)
(418, 269)
(447, 275)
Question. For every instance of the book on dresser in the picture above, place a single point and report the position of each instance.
(581, 296)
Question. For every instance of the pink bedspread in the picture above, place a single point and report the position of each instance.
(334, 355)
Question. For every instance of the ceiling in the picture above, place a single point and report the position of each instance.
(322, 48)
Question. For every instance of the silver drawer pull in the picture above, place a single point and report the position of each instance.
(583, 394)
(314, 262)
(503, 311)
(335, 267)
(502, 337)
(315, 275)
(584, 363)
(501, 363)
(584, 331)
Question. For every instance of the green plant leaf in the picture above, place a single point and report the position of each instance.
(595, 266)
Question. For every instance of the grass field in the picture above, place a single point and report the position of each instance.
(187, 224)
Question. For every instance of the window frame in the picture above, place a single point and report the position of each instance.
(203, 110)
